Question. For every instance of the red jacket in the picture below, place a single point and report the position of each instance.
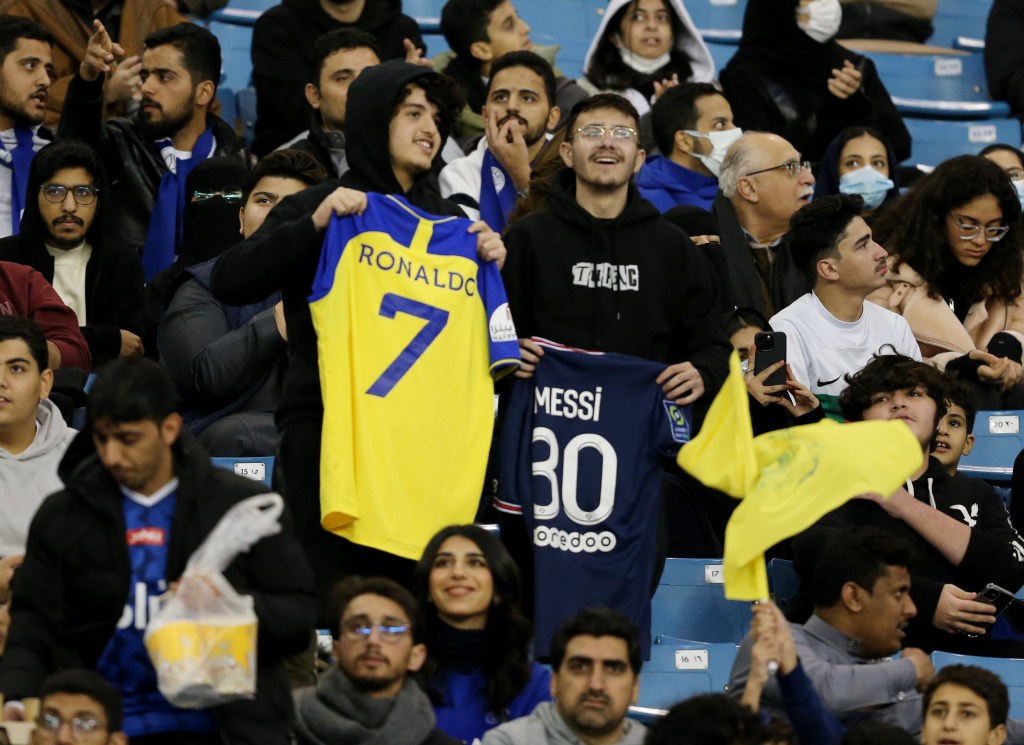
(25, 292)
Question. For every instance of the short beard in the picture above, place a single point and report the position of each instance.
(65, 244)
(19, 115)
(168, 126)
(369, 685)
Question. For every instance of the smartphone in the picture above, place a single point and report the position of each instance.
(997, 596)
(770, 348)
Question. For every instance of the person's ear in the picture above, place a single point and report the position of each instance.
(683, 142)
(616, 40)
(968, 445)
(852, 596)
(204, 93)
(481, 50)
(241, 222)
(117, 738)
(746, 189)
(553, 116)
(565, 150)
(170, 428)
(417, 656)
(313, 95)
(641, 156)
(827, 269)
(45, 383)
(997, 736)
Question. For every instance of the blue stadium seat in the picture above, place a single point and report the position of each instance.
(721, 53)
(935, 140)
(941, 86)
(717, 15)
(690, 604)
(1006, 668)
(679, 668)
(955, 18)
(997, 442)
(257, 469)
(235, 41)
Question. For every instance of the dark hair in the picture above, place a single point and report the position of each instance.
(87, 683)
(441, 91)
(505, 652)
(891, 372)
(200, 50)
(826, 176)
(296, 164)
(960, 393)
(131, 389)
(598, 621)
(914, 228)
(816, 229)
(860, 555)
(607, 70)
(348, 589)
(741, 318)
(335, 41)
(709, 719)
(981, 682)
(676, 110)
(463, 23)
(56, 156)
(1001, 147)
(873, 732)
(530, 61)
(599, 101)
(20, 327)
(14, 28)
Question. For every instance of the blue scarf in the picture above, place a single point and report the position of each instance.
(21, 162)
(169, 208)
(497, 193)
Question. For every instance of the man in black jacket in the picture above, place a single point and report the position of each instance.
(63, 237)
(148, 155)
(140, 496)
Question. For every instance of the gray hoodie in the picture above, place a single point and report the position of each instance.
(30, 476)
(545, 726)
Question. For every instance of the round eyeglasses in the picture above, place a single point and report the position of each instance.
(49, 723)
(792, 167)
(970, 232)
(597, 132)
(84, 194)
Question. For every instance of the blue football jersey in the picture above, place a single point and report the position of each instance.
(584, 446)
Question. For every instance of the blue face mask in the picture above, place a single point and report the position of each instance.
(870, 184)
(1019, 187)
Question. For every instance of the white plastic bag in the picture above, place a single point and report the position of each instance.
(203, 641)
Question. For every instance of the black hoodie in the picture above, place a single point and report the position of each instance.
(113, 276)
(282, 52)
(283, 253)
(665, 306)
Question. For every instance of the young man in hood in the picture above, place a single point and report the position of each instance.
(419, 106)
(282, 53)
(693, 128)
(64, 238)
(33, 435)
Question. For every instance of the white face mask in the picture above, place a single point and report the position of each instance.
(643, 65)
(720, 143)
(820, 19)
(869, 183)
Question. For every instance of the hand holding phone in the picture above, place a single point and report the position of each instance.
(770, 347)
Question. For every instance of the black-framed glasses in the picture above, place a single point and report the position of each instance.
(228, 195)
(597, 132)
(358, 630)
(50, 722)
(84, 194)
(792, 167)
(970, 232)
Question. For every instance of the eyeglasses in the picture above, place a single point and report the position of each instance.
(356, 630)
(234, 195)
(793, 168)
(597, 132)
(57, 193)
(970, 232)
(1015, 174)
(49, 723)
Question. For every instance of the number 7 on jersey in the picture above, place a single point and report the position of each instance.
(436, 318)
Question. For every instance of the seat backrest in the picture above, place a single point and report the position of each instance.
(998, 441)
(679, 668)
(690, 603)
(959, 18)
(257, 469)
(936, 140)
(1011, 671)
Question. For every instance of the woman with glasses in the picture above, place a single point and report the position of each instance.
(791, 77)
(956, 268)
(859, 161)
(478, 668)
(643, 46)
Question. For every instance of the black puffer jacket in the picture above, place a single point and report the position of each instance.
(134, 166)
(74, 583)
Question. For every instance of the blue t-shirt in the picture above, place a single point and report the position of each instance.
(125, 661)
(583, 450)
(464, 714)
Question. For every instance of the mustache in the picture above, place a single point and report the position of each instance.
(69, 218)
(510, 117)
(146, 101)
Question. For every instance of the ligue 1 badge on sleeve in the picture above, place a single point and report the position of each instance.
(680, 427)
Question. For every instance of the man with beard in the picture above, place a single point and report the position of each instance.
(24, 83)
(63, 238)
(370, 696)
(519, 112)
(595, 676)
(148, 155)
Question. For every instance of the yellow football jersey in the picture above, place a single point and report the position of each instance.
(411, 327)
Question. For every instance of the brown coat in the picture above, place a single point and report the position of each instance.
(139, 18)
(937, 329)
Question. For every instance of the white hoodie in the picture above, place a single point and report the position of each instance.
(27, 478)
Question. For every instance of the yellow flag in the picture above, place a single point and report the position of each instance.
(799, 475)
